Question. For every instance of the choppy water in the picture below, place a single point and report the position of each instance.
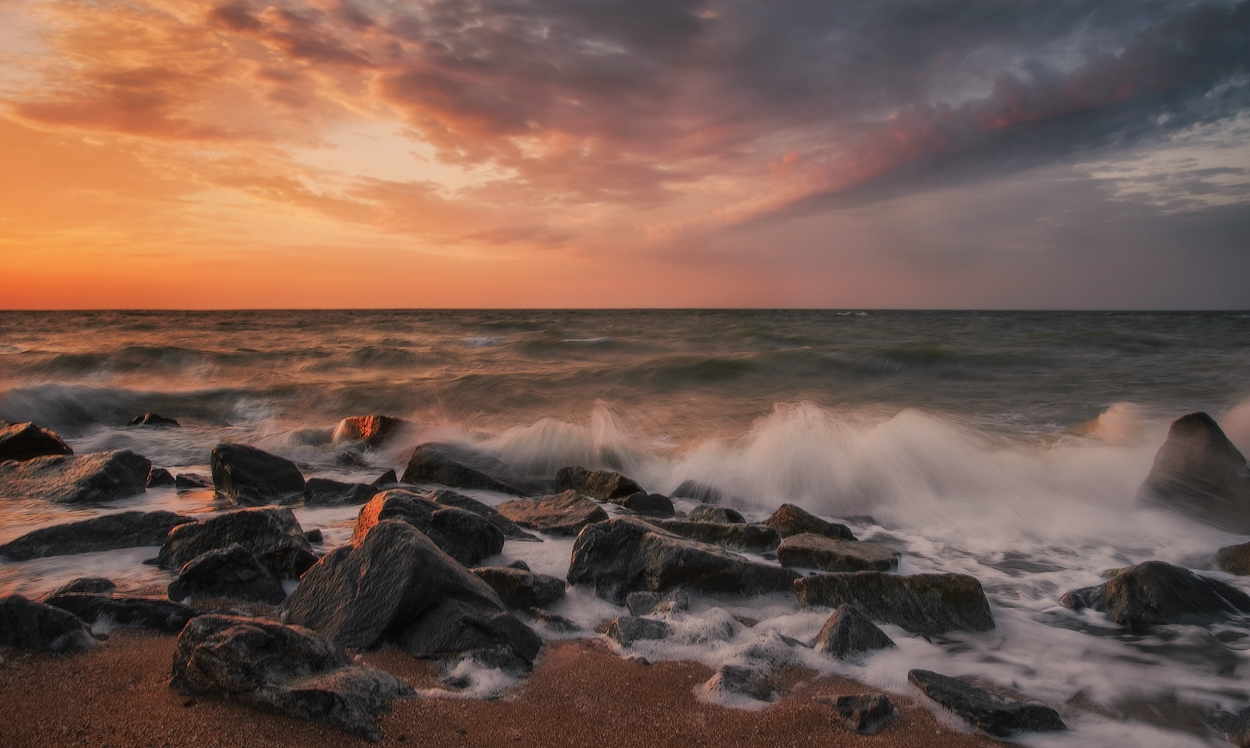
(1005, 445)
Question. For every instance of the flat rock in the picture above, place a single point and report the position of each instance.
(457, 467)
(160, 478)
(703, 493)
(85, 584)
(849, 633)
(1198, 472)
(997, 715)
(628, 629)
(521, 589)
(283, 669)
(719, 514)
(191, 481)
(1155, 592)
(106, 533)
(812, 551)
(271, 534)
(76, 479)
(42, 627)
(864, 713)
(751, 537)
(154, 613)
(252, 477)
(1234, 559)
(926, 604)
(326, 492)
(230, 572)
(603, 485)
(651, 504)
(510, 530)
(626, 554)
(152, 420)
(373, 430)
(789, 520)
(563, 514)
(23, 441)
(463, 535)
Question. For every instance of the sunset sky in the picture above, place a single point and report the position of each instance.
(379, 153)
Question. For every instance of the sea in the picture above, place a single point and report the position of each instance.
(1005, 445)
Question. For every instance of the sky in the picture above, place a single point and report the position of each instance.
(1036, 154)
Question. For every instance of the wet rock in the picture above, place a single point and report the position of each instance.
(556, 623)
(190, 481)
(646, 603)
(1154, 593)
(314, 535)
(628, 629)
(230, 572)
(154, 613)
(458, 467)
(626, 554)
(509, 529)
(563, 514)
(864, 713)
(754, 538)
(397, 586)
(1234, 559)
(351, 458)
(849, 633)
(160, 478)
(76, 479)
(792, 520)
(151, 420)
(386, 480)
(84, 584)
(271, 534)
(24, 441)
(812, 551)
(374, 430)
(252, 477)
(1198, 472)
(45, 628)
(603, 485)
(283, 669)
(326, 492)
(106, 533)
(1237, 729)
(720, 514)
(926, 604)
(997, 715)
(518, 564)
(521, 589)
(700, 492)
(463, 535)
(741, 681)
(651, 504)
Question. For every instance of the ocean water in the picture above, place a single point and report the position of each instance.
(1006, 445)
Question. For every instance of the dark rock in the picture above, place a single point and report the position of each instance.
(458, 467)
(463, 535)
(603, 485)
(629, 629)
(386, 480)
(690, 489)
(925, 604)
(326, 492)
(1234, 559)
(518, 564)
(849, 633)
(720, 514)
(644, 603)
(187, 481)
(625, 555)
(447, 497)
(521, 589)
(755, 538)
(139, 612)
(251, 477)
(556, 623)
(997, 715)
(397, 586)
(653, 504)
(1237, 729)
(314, 535)
(151, 420)
(160, 478)
(792, 520)
(24, 441)
(84, 584)
(741, 681)
(350, 458)
(1199, 472)
(563, 514)
(1155, 592)
(231, 572)
(76, 479)
(31, 625)
(106, 533)
(271, 534)
(864, 713)
(282, 669)
(374, 431)
(812, 551)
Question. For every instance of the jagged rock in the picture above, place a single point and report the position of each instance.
(1154, 593)
(271, 534)
(231, 572)
(124, 610)
(812, 551)
(447, 497)
(792, 520)
(106, 533)
(1199, 472)
(76, 479)
(700, 492)
(160, 478)
(997, 715)
(926, 604)
(457, 467)
(521, 589)
(629, 629)
(463, 535)
(283, 669)
(326, 492)
(396, 585)
(625, 555)
(151, 420)
(864, 713)
(741, 681)
(190, 481)
(374, 430)
(24, 441)
(603, 485)
(849, 633)
(31, 625)
(653, 504)
(386, 480)
(1234, 559)
(644, 603)
(563, 514)
(754, 538)
(718, 514)
(252, 477)
(84, 584)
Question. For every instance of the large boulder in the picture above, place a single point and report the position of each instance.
(701, 492)
(1156, 592)
(789, 520)
(125, 610)
(463, 535)
(31, 625)
(603, 485)
(996, 714)
(741, 536)
(718, 514)
(23, 441)
(230, 572)
(271, 534)
(283, 669)
(625, 554)
(252, 477)
(326, 492)
(447, 497)
(811, 551)
(563, 514)
(397, 586)
(76, 479)
(373, 430)
(519, 588)
(121, 530)
(848, 633)
(458, 467)
(926, 604)
(1234, 559)
(1199, 472)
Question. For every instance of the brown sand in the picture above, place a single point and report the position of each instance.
(581, 694)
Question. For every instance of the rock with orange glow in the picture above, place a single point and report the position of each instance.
(76, 479)
(373, 430)
(463, 535)
(23, 441)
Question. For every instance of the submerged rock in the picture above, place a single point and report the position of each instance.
(521, 588)
(1155, 592)
(106, 533)
(125, 610)
(160, 478)
(326, 492)
(84, 584)
(718, 514)
(373, 430)
(386, 480)
(926, 604)
(463, 535)
(864, 713)
(231, 572)
(283, 669)
(42, 627)
(447, 497)
(603, 485)
(789, 520)
(271, 534)
(1199, 472)
(754, 538)
(458, 467)
(997, 715)
(628, 629)
(24, 441)
(700, 492)
(651, 504)
(849, 633)
(813, 551)
(76, 479)
(563, 514)
(1234, 559)
(151, 420)
(252, 477)
(191, 481)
